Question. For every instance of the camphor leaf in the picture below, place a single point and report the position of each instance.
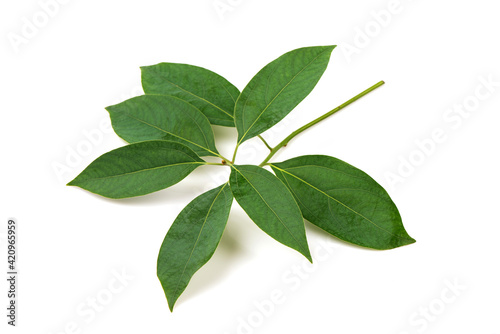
(343, 201)
(269, 203)
(278, 88)
(192, 239)
(169, 128)
(138, 169)
(213, 95)
(150, 117)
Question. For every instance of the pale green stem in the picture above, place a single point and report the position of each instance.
(265, 143)
(317, 120)
(237, 145)
(214, 164)
(235, 151)
(220, 156)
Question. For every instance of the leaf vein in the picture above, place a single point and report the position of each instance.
(272, 210)
(276, 96)
(344, 205)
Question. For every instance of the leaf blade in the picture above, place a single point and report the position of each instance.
(344, 201)
(212, 94)
(138, 169)
(278, 88)
(270, 205)
(163, 117)
(192, 240)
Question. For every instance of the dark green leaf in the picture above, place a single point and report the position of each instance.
(270, 205)
(344, 201)
(150, 117)
(278, 88)
(206, 90)
(192, 239)
(138, 169)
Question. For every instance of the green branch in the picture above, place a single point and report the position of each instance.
(317, 120)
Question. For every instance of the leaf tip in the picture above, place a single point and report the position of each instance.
(309, 258)
(108, 109)
(407, 240)
(171, 302)
(143, 70)
(306, 252)
(329, 47)
(411, 240)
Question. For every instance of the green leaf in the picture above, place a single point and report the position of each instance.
(138, 169)
(206, 90)
(270, 205)
(150, 117)
(278, 88)
(192, 239)
(343, 201)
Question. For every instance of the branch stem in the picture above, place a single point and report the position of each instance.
(235, 151)
(214, 164)
(317, 120)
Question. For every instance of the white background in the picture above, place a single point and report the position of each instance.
(86, 56)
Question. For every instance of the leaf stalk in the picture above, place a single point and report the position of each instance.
(265, 143)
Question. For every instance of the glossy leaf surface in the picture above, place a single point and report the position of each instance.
(138, 169)
(150, 117)
(270, 205)
(278, 88)
(192, 239)
(213, 95)
(344, 201)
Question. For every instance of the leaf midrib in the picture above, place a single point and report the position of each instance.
(143, 170)
(276, 96)
(366, 178)
(198, 238)
(336, 200)
(281, 221)
(333, 170)
(197, 96)
(173, 134)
